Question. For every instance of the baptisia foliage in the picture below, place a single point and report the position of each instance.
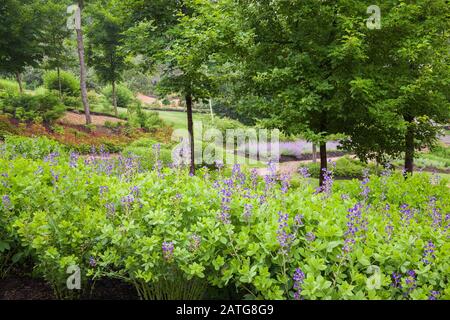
(176, 236)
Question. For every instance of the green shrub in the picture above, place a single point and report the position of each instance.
(148, 120)
(70, 85)
(223, 124)
(124, 95)
(96, 100)
(33, 148)
(112, 125)
(146, 155)
(73, 103)
(46, 107)
(9, 86)
(165, 232)
(346, 167)
(171, 235)
(441, 151)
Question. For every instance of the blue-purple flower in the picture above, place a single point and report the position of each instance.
(434, 295)
(73, 159)
(428, 254)
(6, 202)
(354, 224)
(396, 280)
(167, 249)
(364, 187)
(298, 278)
(195, 242)
(283, 233)
(285, 183)
(248, 208)
(111, 209)
(310, 236)
(304, 172)
(92, 262)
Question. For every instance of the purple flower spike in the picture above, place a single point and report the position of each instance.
(298, 278)
(167, 248)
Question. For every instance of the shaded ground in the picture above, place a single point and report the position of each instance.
(26, 288)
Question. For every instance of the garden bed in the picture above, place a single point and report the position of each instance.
(28, 288)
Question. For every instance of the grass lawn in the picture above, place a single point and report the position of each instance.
(179, 119)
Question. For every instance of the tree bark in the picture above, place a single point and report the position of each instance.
(58, 70)
(19, 81)
(323, 162)
(409, 150)
(191, 131)
(314, 153)
(83, 88)
(114, 98)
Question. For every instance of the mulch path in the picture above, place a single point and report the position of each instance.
(79, 119)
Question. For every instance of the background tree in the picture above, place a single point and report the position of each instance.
(403, 93)
(20, 36)
(165, 35)
(80, 48)
(300, 57)
(55, 35)
(105, 34)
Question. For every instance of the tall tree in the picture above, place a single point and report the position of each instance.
(171, 41)
(54, 36)
(403, 93)
(80, 47)
(300, 57)
(105, 34)
(19, 36)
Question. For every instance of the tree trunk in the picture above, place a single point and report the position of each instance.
(409, 150)
(314, 153)
(323, 162)
(58, 70)
(19, 81)
(211, 110)
(114, 98)
(191, 131)
(83, 88)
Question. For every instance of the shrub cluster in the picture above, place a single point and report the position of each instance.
(172, 235)
(344, 167)
(42, 107)
(70, 85)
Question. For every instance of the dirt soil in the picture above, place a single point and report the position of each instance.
(79, 119)
(27, 288)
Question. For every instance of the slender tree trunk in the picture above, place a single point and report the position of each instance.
(191, 131)
(409, 150)
(80, 44)
(114, 98)
(323, 162)
(19, 81)
(211, 110)
(58, 70)
(314, 153)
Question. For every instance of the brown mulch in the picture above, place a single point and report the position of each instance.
(79, 119)
(27, 288)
